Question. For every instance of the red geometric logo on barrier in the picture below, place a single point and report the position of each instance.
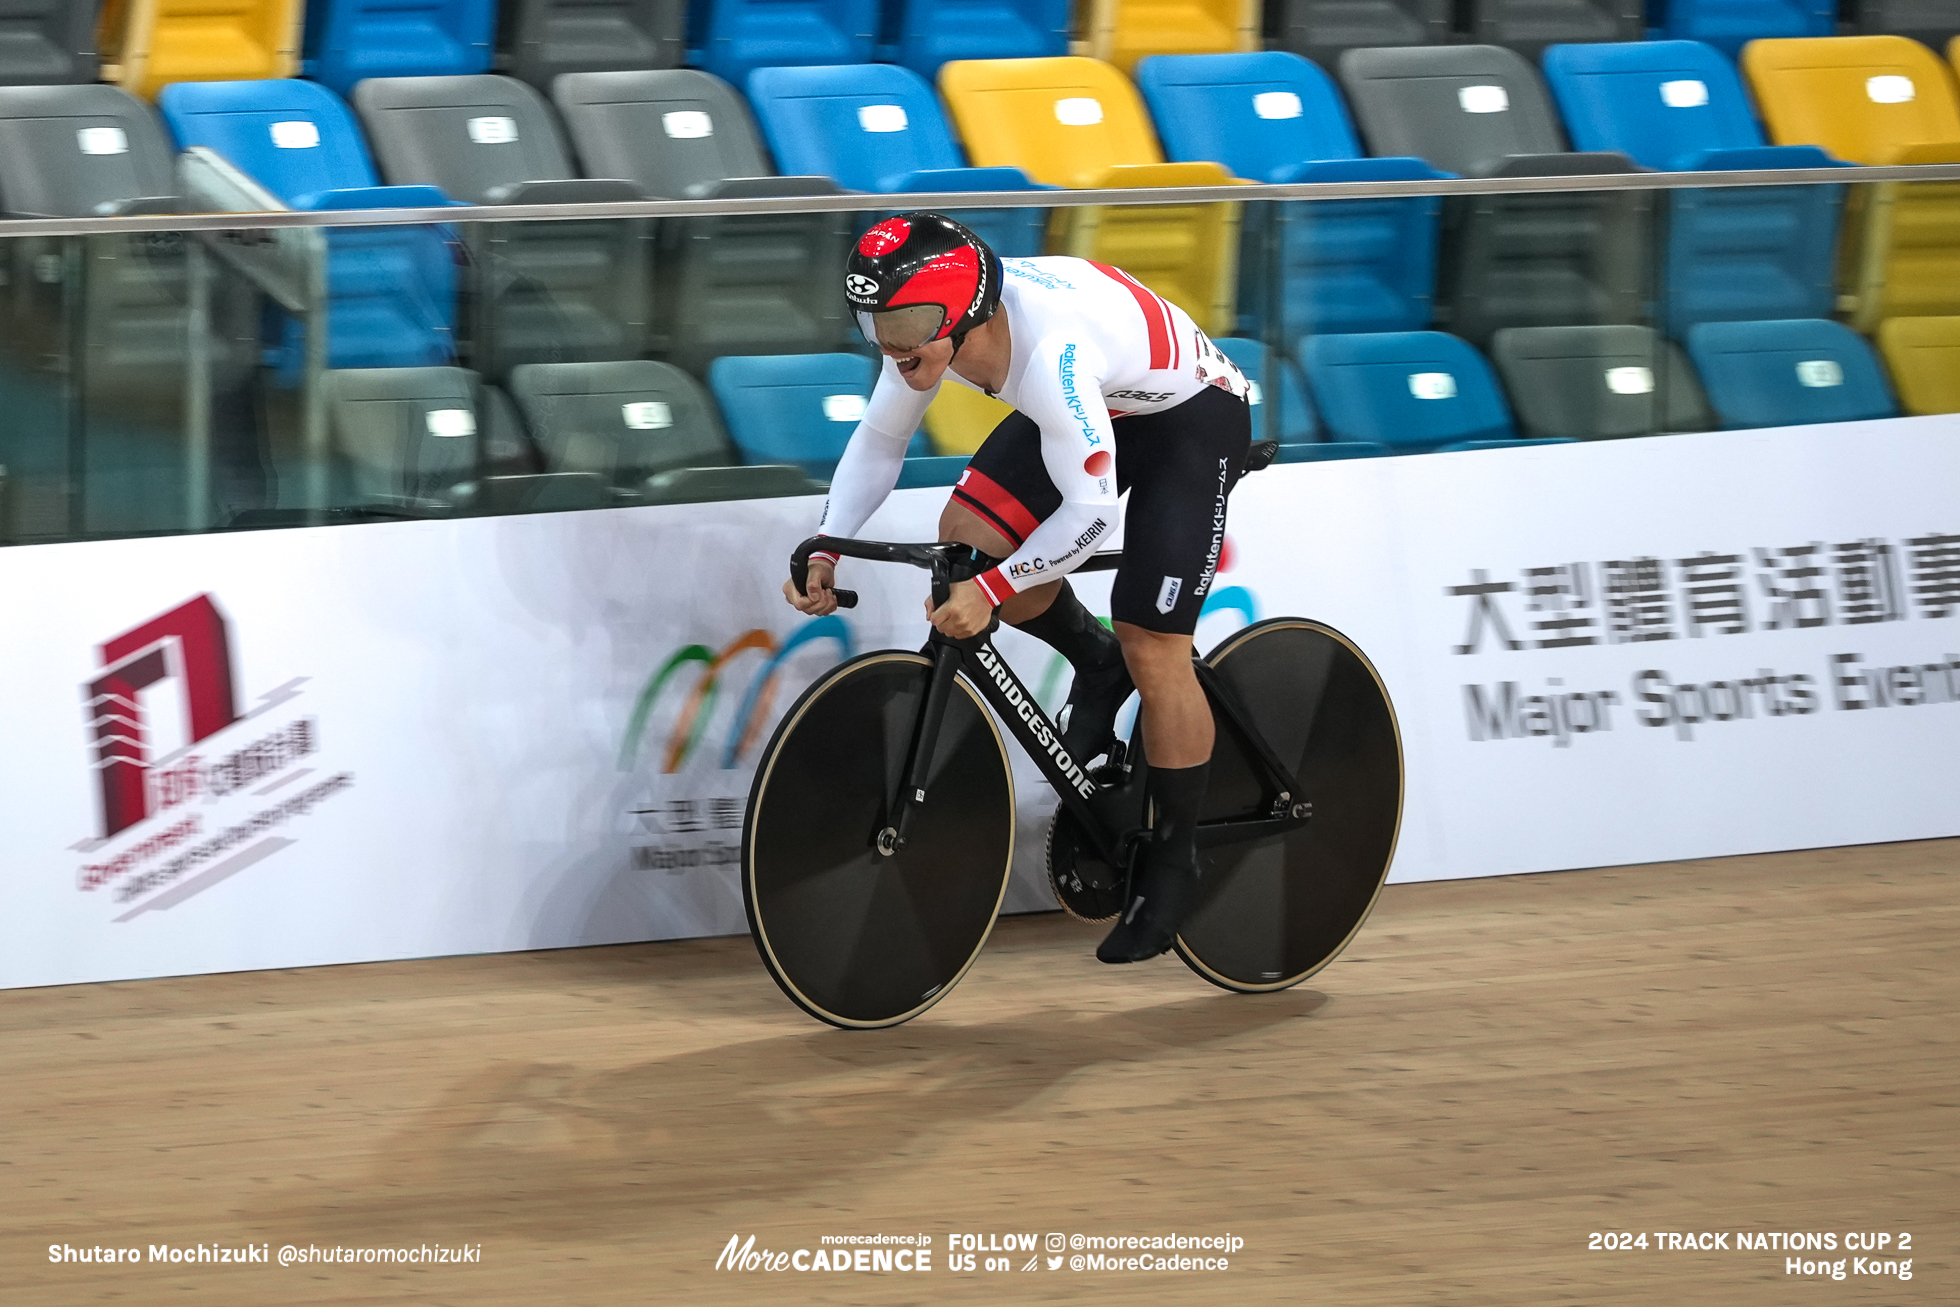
(190, 642)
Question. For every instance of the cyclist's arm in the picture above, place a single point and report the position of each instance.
(875, 456)
(1062, 392)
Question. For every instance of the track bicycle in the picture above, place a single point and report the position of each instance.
(880, 828)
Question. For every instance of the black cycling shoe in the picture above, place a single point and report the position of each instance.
(1093, 702)
(1163, 894)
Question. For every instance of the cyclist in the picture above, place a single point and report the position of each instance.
(1115, 389)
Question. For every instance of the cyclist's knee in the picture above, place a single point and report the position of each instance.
(1159, 662)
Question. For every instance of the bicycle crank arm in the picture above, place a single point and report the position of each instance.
(1213, 834)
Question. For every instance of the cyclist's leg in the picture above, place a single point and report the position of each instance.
(1185, 462)
(1003, 495)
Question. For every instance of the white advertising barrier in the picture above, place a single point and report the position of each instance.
(286, 748)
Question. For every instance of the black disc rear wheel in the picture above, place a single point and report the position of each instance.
(855, 937)
(1274, 911)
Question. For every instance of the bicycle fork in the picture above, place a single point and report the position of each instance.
(925, 739)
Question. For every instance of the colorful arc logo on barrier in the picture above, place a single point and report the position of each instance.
(751, 713)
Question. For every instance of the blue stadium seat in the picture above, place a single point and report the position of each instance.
(923, 34)
(729, 38)
(347, 40)
(878, 127)
(796, 408)
(1296, 421)
(1409, 390)
(1743, 254)
(1345, 266)
(392, 290)
(1785, 373)
(1728, 25)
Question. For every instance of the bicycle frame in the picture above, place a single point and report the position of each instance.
(1094, 805)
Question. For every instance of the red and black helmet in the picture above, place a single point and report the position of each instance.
(920, 277)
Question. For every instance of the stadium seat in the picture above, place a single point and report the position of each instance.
(1728, 25)
(1528, 26)
(1597, 383)
(796, 408)
(1124, 31)
(1732, 254)
(540, 291)
(347, 40)
(47, 43)
(923, 34)
(1323, 30)
(1932, 22)
(646, 429)
(1292, 422)
(729, 38)
(1924, 357)
(148, 44)
(82, 151)
(1875, 100)
(1559, 259)
(878, 127)
(1775, 374)
(747, 284)
(1409, 390)
(1343, 266)
(1079, 123)
(537, 40)
(392, 290)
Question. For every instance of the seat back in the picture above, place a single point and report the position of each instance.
(348, 40)
(294, 138)
(1291, 418)
(930, 33)
(1728, 25)
(406, 437)
(1933, 22)
(1323, 30)
(675, 132)
(1061, 121)
(468, 135)
(1788, 372)
(1866, 99)
(865, 125)
(1124, 31)
(1260, 115)
(149, 44)
(1405, 389)
(799, 408)
(1528, 26)
(730, 38)
(625, 421)
(1663, 103)
(539, 40)
(79, 151)
(1598, 382)
(1924, 357)
(1464, 108)
(47, 43)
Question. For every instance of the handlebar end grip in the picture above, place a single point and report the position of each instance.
(846, 598)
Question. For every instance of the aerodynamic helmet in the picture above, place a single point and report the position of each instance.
(921, 277)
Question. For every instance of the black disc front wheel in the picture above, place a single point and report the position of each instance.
(857, 937)
(1276, 910)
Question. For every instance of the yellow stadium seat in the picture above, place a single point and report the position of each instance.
(1124, 31)
(1924, 356)
(960, 419)
(1079, 123)
(148, 44)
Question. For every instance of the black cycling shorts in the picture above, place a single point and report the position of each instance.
(1179, 466)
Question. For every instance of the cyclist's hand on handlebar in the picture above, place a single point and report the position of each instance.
(966, 612)
(819, 597)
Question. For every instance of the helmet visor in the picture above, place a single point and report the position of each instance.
(903, 329)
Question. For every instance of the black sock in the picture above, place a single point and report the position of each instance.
(1073, 632)
(1179, 796)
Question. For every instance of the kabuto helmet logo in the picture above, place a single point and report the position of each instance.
(860, 286)
(190, 643)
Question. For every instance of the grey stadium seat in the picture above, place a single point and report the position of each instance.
(1528, 26)
(1322, 29)
(47, 42)
(761, 284)
(647, 429)
(1934, 22)
(1581, 257)
(540, 39)
(544, 291)
(1598, 382)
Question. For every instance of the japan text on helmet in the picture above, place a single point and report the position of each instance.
(921, 277)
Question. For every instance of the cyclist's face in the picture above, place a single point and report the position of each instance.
(921, 368)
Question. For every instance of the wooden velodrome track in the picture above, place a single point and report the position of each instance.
(1495, 1070)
